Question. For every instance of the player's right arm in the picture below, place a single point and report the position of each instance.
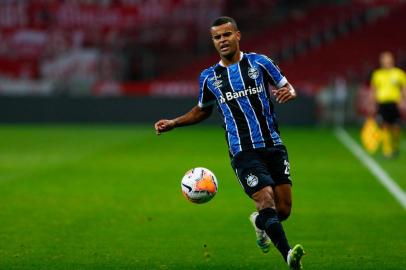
(283, 90)
(403, 84)
(372, 97)
(197, 113)
(194, 116)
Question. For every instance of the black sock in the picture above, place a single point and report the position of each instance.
(268, 220)
(259, 223)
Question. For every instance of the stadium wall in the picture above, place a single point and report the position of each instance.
(144, 110)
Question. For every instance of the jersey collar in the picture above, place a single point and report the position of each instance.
(221, 61)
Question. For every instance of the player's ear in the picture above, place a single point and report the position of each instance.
(238, 34)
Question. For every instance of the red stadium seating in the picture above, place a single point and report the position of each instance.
(130, 41)
(351, 56)
(276, 37)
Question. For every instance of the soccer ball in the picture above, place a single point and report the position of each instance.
(199, 185)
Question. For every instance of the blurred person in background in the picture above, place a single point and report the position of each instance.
(389, 89)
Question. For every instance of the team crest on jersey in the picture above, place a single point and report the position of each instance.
(252, 180)
(253, 73)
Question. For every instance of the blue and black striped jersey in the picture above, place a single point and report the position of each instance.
(241, 93)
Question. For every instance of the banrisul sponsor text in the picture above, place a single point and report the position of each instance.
(243, 93)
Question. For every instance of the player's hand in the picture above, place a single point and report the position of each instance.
(284, 94)
(372, 109)
(164, 125)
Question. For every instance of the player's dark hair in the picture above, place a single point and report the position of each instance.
(223, 20)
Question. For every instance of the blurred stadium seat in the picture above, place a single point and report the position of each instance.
(353, 55)
(139, 47)
(75, 44)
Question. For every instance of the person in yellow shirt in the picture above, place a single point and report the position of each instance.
(389, 88)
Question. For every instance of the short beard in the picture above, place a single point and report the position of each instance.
(229, 56)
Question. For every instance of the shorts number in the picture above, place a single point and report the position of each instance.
(287, 167)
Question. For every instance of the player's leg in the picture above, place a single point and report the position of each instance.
(395, 129)
(390, 115)
(268, 219)
(387, 148)
(283, 200)
(263, 241)
(279, 168)
(396, 139)
(252, 176)
(283, 204)
(385, 134)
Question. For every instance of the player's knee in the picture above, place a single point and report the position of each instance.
(264, 198)
(284, 209)
(283, 213)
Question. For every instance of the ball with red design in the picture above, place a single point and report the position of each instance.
(199, 185)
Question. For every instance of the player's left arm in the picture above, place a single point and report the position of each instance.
(404, 93)
(285, 93)
(403, 85)
(194, 116)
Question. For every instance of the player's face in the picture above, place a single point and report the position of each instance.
(225, 39)
(387, 60)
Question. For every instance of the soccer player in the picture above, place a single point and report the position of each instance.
(239, 86)
(389, 85)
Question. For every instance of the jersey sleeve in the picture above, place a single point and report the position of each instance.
(206, 97)
(373, 80)
(272, 72)
(403, 78)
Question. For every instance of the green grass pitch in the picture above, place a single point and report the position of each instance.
(109, 197)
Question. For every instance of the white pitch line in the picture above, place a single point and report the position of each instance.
(373, 167)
